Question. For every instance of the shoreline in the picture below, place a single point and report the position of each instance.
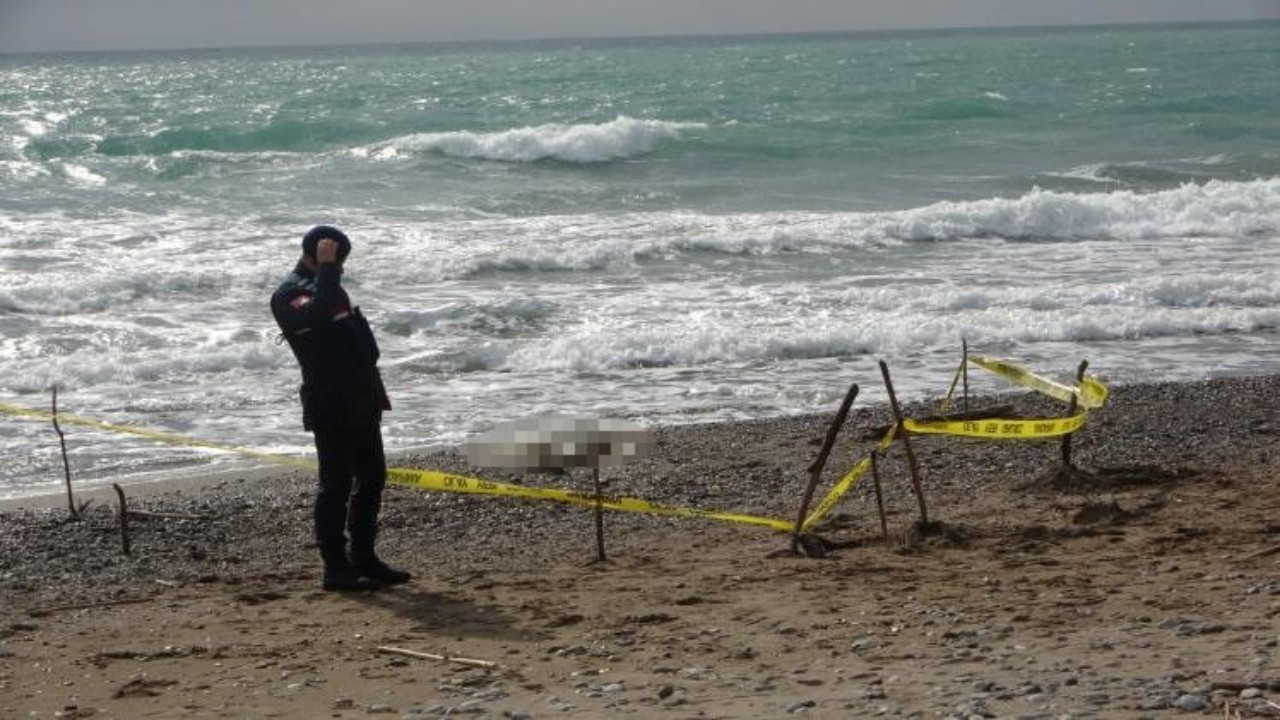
(197, 476)
(1144, 584)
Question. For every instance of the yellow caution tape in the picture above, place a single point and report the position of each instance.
(154, 435)
(1091, 394)
(999, 429)
(424, 479)
(434, 480)
(846, 483)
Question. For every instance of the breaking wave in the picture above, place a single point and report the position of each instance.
(623, 137)
(594, 242)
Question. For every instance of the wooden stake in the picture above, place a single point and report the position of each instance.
(432, 656)
(906, 443)
(1071, 410)
(875, 475)
(595, 476)
(964, 370)
(815, 469)
(66, 465)
(124, 518)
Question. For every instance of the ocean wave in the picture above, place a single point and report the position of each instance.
(508, 317)
(696, 342)
(622, 137)
(1215, 208)
(594, 242)
(87, 367)
(70, 294)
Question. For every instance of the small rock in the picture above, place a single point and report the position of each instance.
(517, 716)
(1191, 702)
(343, 704)
(1250, 693)
(380, 709)
(665, 691)
(616, 687)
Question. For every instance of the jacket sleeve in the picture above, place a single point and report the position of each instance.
(297, 310)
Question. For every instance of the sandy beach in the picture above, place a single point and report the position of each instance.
(1146, 584)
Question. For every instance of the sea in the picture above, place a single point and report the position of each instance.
(663, 230)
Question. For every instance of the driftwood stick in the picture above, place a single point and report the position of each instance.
(66, 464)
(1071, 410)
(964, 370)
(906, 444)
(1260, 553)
(815, 469)
(595, 479)
(875, 475)
(432, 656)
(124, 518)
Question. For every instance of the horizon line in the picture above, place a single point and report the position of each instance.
(640, 38)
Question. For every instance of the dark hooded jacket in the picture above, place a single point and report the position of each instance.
(341, 386)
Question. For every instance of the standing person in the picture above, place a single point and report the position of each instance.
(342, 403)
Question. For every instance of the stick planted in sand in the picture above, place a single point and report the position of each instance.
(875, 475)
(124, 518)
(432, 656)
(66, 465)
(906, 443)
(595, 480)
(815, 470)
(1066, 439)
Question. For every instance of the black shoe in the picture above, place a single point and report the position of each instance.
(347, 580)
(381, 573)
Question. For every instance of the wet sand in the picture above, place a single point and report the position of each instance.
(1145, 584)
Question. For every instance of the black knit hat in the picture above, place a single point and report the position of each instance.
(320, 232)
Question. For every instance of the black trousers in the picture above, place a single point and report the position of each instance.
(353, 472)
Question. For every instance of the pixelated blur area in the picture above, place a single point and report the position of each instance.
(556, 442)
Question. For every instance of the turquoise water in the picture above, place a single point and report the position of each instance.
(666, 230)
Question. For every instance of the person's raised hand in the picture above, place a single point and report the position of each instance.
(326, 251)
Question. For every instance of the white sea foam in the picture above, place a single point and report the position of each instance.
(622, 137)
(714, 335)
(81, 174)
(566, 243)
(22, 170)
(1093, 172)
(1217, 208)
